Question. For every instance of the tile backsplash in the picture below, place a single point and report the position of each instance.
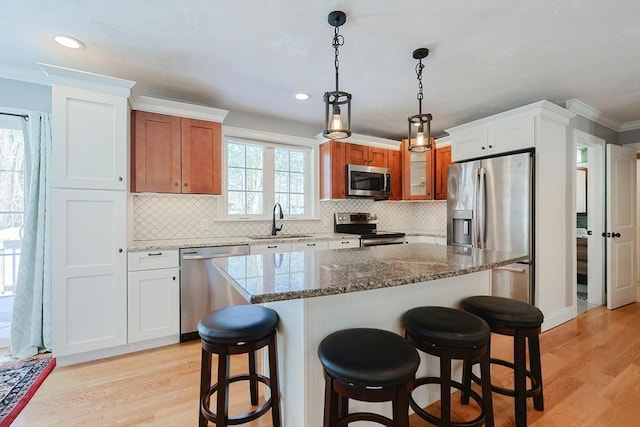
(168, 216)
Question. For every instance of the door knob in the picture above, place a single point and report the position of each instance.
(615, 234)
(589, 232)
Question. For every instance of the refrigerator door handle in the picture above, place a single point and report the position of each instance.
(475, 238)
(480, 210)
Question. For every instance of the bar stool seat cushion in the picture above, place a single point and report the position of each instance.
(447, 327)
(238, 323)
(504, 311)
(368, 357)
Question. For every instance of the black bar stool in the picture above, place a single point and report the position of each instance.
(522, 321)
(451, 334)
(370, 365)
(232, 330)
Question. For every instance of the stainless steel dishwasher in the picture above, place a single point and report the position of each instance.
(203, 288)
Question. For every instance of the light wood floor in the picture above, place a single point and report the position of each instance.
(591, 370)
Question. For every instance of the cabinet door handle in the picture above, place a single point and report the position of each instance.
(174, 277)
(119, 178)
(120, 250)
(272, 247)
(482, 148)
(154, 254)
(490, 146)
(311, 244)
(345, 242)
(186, 184)
(176, 184)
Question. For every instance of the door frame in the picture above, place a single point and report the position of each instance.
(596, 214)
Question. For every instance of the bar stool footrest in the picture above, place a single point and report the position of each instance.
(531, 392)
(476, 422)
(365, 416)
(239, 419)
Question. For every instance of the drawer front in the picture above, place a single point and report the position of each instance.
(344, 243)
(148, 260)
(270, 248)
(308, 246)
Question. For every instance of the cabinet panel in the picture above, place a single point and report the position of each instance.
(89, 270)
(418, 173)
(154, 304)
(378, 157)
(364, 155)
(309, 246)
(176, 155)
(89, 139)
(469, 145)
(201, 157)
(332, 170)
(356, 154)
(443, 160)
(156, 159)
(344, 243)
(395, 169)
(511, 135)
(270, 248)
(147, 260)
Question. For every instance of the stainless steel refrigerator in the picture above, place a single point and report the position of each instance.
(490, 206)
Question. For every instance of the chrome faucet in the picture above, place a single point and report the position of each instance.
(274, 229)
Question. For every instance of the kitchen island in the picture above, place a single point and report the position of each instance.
(319, 292)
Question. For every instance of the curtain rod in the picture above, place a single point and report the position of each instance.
(24, 116)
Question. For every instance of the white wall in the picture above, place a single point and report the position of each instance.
(25, 96)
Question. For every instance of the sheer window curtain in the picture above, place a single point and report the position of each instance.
(31, 323)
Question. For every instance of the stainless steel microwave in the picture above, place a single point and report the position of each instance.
(368, 181)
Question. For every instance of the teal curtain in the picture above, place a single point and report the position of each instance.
(31, 323)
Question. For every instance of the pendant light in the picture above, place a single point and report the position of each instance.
(420, 124)
(337, 121)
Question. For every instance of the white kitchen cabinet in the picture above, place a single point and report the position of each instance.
(344, 243)
(270, 248)
(500, 136)
(90, 134)
(309, 246)
(153, 295)
(89, 289)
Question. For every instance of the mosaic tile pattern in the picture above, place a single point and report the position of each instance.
(169, 216)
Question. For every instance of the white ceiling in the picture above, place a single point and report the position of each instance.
(486, 56)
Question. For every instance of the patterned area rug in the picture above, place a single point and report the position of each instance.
(18, 383)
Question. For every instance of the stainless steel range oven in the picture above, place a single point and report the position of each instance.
(365, 224)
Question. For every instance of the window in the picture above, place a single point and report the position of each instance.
(11, 215)
(259, 174)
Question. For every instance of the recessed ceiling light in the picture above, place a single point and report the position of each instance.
(67, 41)
(302, 96)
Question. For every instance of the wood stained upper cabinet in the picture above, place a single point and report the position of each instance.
(175, 155)
(333, 182)
(364, 155)
(443, 160)
(201, 157)
(395, 169)
(417, 174)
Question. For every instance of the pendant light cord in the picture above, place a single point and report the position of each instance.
(338, 41)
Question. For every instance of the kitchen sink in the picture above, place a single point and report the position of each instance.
(279, 236)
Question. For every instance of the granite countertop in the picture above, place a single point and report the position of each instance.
(284, 276)
(146, 245)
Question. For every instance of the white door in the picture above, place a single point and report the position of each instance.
(90, 134)
(89, 292)
(621, 226)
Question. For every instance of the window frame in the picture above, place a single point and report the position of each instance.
(269, 142)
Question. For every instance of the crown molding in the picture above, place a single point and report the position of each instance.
(28, 75)
(593, 114)
(373, 141)
(630, 126)
(273, 137)
(178, 108)
(86, 80)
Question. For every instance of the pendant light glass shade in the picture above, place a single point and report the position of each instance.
(420, 124)
(337, 120)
